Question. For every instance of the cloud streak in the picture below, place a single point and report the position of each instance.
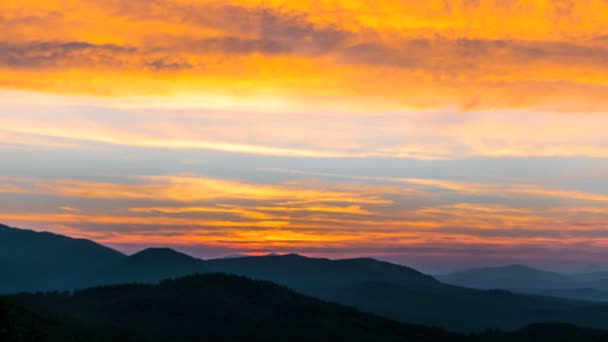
(304, 133)
(319, 214)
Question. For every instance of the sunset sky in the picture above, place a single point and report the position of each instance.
(439, 134)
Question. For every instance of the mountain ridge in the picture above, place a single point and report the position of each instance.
(217, 308)
(524, 279)
(53, 261)
(393, 291)
(225, 308)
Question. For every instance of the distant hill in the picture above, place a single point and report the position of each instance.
(523, 279)
(402, 293)
(309, 273)
(151, 265)
(507, 277)
(386, 289)
(587, 294)
(216, 307)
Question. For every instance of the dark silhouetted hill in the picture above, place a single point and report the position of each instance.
(206, 307)
(402, 293)
(382, 288)
(215, 307)
(31, 261)
(151, 265)
(41, 261)
(301, 272)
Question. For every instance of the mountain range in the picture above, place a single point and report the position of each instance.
(199, 307)
(215, 307)
(524, 279)
(33, 261)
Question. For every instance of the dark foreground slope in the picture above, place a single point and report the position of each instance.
(222, 308)
(204, 307)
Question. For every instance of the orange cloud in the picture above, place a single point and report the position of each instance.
(307, 214)
(189, 188)
(396, 54)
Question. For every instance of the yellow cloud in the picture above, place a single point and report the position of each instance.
(400, 213)
(190, 188)
(396, 54)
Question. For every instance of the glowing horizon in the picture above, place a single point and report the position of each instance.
(440, 134)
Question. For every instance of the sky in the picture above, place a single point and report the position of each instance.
(440, 134)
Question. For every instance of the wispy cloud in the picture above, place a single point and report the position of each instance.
(304, 133)
(365, 214)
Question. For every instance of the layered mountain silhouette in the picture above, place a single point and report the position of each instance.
(407, 295)
(59, 263)
(216, 307)
(301, 272)
(520, 278)
(210, 307)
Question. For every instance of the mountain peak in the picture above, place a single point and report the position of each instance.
(155, 264)
(155, 250)
(160, 252)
